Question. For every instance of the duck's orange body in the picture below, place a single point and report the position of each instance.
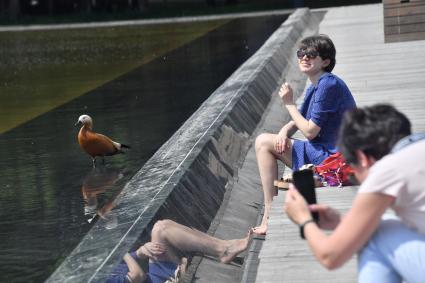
(96, 144)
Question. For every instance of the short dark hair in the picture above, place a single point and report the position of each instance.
(322, 44)
(373, 130)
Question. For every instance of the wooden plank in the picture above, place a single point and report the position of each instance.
(405, 11)
(285, 257)
(405, 37)
(403, 20)
(399, 2)
(401, 29)
(403, 5)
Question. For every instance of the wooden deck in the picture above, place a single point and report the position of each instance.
(376, 72)
(404, 20)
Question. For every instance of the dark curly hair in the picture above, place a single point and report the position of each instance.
(373, 130)
(322, 44)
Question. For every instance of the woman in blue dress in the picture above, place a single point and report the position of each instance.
(318, 119)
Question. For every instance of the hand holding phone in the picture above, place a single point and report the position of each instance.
(304, 182)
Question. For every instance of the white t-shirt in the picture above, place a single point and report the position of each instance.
(402, 175)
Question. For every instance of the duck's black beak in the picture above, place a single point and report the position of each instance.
(78, 123)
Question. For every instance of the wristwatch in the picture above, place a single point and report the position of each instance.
(302, 225)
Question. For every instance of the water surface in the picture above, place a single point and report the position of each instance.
(41, 70)
(50, 194)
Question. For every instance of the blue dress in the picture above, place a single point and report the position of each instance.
(325, 105)
(159, 271)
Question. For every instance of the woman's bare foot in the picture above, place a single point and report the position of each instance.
(235, 247)
(260, 230)
(182, 268)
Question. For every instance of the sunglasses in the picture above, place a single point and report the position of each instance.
(311, 54)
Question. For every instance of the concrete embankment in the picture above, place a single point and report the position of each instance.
(188, 178)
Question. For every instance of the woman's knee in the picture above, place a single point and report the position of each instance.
(393, 251)
(387, 229)
(159, 229)
(263, 141)
(390, 234)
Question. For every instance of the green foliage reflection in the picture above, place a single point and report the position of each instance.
(41, 70)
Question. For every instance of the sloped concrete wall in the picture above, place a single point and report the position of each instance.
(188, 176)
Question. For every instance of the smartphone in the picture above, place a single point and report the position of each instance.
(304, 182)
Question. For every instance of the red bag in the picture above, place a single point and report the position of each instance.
(335, 171)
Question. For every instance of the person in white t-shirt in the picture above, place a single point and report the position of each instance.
(390, 249)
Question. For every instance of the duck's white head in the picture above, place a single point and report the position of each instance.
(85, 120)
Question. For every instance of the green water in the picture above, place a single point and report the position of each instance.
(50, 195)
(41, 70)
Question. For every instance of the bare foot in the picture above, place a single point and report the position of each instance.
(183, 267)
(235, 247)
(260, 230)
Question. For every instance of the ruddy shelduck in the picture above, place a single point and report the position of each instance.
(96, 144)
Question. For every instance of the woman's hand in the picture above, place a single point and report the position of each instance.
(281, 143)
(286, 94)
(329, 218)
(295, 206)
(151, 250)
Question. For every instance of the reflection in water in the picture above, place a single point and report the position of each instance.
(42, 167)
(95, 184)
(47, 68)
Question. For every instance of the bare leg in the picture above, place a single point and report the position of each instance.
(179, 238)
(267, 164)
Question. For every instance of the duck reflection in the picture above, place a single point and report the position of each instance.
(99, 190)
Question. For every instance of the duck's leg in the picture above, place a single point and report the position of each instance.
(94, 162)
(103, 160)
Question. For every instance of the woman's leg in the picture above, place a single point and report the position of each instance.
(180, 239)
(395, 253)
(267, 164)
